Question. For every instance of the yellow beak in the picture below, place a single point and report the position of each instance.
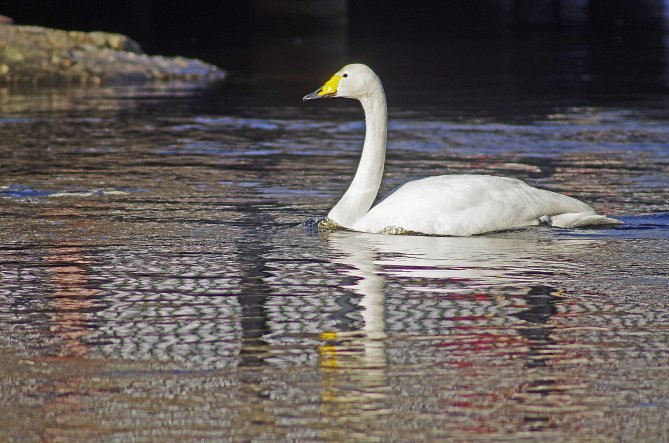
(329, 89)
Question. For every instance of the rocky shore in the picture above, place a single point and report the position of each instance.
(37, 55)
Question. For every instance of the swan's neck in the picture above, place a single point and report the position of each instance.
(360, 195)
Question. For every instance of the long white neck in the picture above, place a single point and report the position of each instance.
(360, 195)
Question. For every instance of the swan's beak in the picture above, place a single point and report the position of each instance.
(329, 89)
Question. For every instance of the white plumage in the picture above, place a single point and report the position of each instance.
(458, 205)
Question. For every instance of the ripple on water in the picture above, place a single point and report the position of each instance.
(198, 308)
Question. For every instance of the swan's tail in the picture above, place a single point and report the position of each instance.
(578, 219)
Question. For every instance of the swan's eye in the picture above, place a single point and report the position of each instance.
(345, 75)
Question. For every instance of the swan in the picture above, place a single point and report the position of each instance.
(446, 205)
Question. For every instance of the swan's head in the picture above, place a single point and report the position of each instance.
(352, 81)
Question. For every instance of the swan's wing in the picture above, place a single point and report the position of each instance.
(468, 205)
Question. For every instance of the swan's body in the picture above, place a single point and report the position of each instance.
(442, 205)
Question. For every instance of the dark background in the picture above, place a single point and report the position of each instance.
(593, 45)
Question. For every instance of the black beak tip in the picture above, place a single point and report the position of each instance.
(311, 96)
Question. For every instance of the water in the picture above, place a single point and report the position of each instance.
(157, 284)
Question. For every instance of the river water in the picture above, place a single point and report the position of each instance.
(157, 283)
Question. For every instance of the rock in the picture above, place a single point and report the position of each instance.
(33, 54)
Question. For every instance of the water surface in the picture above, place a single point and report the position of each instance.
(157, 284)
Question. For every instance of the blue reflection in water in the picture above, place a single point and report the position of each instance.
(18, 191)
(635, 226)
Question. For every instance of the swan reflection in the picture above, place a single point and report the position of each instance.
(487, 260)
(468, 270)
(484, 300)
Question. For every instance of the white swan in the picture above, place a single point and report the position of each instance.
(458, 205)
